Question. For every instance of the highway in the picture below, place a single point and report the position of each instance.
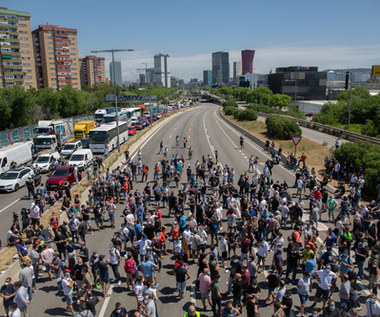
(206, 132)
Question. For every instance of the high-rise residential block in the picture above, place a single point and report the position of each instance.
(247, 61)
(220, 68)
(17, 64)
(207, 77)
(92, 71)
(161, 70)
(118, 75)
(56, 53)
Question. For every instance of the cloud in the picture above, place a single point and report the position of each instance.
(266, 58)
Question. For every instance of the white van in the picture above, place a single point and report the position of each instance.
(45, 142)
(44, 161)
(70, 148)
(20, 153)
(81, 158)
(134, 120)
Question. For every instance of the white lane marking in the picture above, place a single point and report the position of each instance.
(208, 137)
(248, 142)
(193, 298)
(105, 303)
(11, 204)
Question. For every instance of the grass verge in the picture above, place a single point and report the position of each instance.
(315, 152)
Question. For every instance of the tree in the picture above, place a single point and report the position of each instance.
(282, 128)
(279, 100)
(48, 99)
(247, 115)
(357, 93)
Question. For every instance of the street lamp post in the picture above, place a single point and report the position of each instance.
(349, 102)
(150, 105)
(114, 86)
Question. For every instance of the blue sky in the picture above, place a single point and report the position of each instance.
(327, 34)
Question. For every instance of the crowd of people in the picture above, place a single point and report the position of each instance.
(259, 232)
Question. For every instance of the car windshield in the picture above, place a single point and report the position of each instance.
(60, 172)
(99, 137)
(42, 159)
(78, 134)
(77, 157)
(10, 176)
(43, 141)
(69, 147)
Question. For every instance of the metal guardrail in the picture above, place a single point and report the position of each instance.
(351, 136)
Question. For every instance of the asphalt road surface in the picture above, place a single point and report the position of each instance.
(205, 132)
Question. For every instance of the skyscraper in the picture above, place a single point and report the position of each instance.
(207, 77)
(237, 71)
(247, 61)
(17, 63)
(92, 70)
(220, 68)
(56, 52)
(161, 70)
(118, 79)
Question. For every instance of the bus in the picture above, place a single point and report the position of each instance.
(106, 135)
(133, 112)
(100, 113)
(123, 115)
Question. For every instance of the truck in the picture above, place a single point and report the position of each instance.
(62, 129)
(82, 129)
(15, 154)
(45, 142)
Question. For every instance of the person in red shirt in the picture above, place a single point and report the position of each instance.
(162, 240)
(317, 194)
(302, 159)
(125, 189)
(54, 222)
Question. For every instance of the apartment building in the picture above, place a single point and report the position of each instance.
(56, 53)
(17, 65)
(92, 70)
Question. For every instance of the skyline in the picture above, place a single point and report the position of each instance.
(293, 34)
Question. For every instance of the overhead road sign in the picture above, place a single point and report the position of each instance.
(124, 99)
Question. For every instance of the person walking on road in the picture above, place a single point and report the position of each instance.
(161, 147)
(241, 142)
(181, 275)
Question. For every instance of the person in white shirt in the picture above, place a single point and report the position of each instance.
(373, 307)
(326, 279)
(143, 244)
(262, 252)
(223, 248)
(114, 263)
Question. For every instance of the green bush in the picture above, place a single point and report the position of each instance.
(229, 103)
(364, 155)
(237, 114)
(230, 110)
(247, 115)
(282, 128)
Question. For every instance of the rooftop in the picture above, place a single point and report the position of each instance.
(14, 12)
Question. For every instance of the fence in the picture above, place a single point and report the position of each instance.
(11, 136)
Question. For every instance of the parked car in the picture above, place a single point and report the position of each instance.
(81, 158)
(70, 148)
(16, 178)
(131, 130)
(57, 178)
(139, 125)
(44, 161)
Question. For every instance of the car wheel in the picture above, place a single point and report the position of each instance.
(17, 187)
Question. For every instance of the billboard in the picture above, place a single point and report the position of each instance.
(375, 71)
